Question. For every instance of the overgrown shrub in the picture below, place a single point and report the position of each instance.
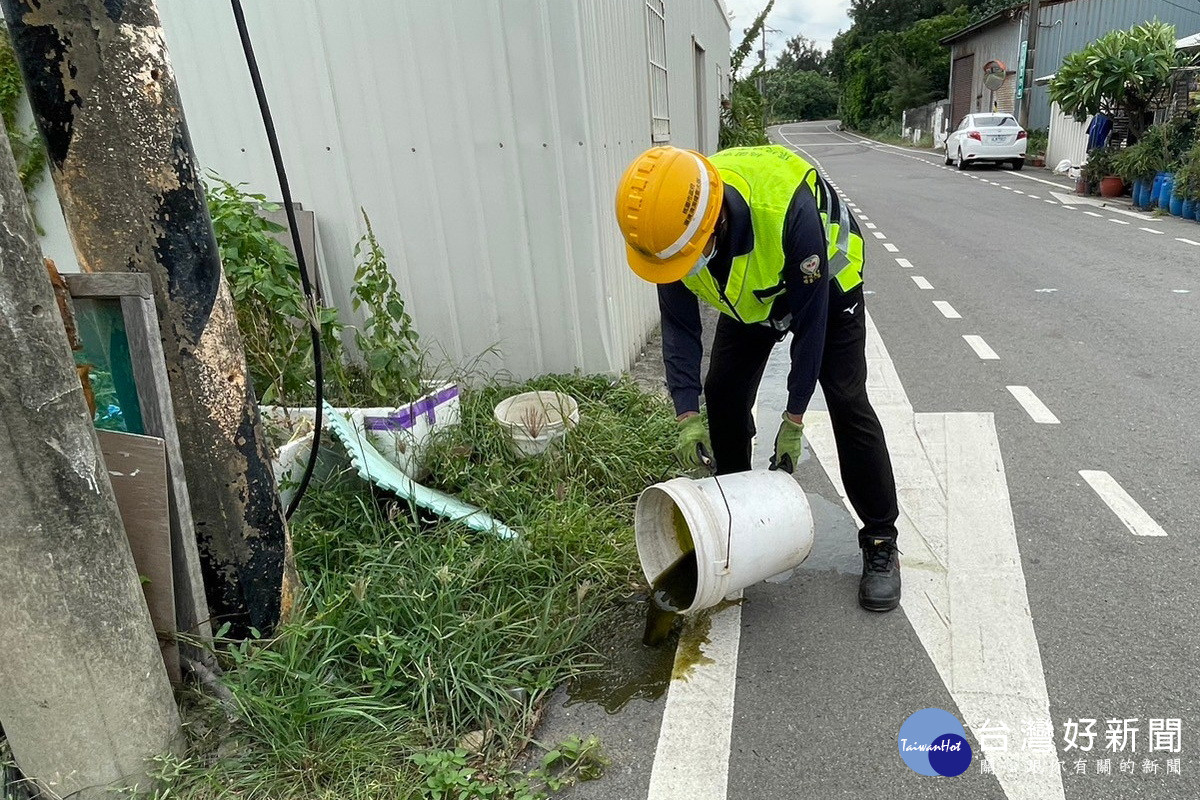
(273, 314)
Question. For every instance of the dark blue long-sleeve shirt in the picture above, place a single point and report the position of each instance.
(802, 309)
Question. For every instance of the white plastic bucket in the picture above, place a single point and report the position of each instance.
(535, 420)
(768, 527)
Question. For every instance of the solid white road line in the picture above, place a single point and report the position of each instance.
(921, 282)
(1151, 230)
(692, 757)
(947, 310)
(1188, 241)
(904, 262)
(1058, 186)
(965, 594)
(1125, 507)
(1033, 406)
(981, 348)
(891, 248)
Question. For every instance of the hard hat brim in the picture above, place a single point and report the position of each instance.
(656, 270)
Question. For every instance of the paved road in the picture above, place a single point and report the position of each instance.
(1034, 361)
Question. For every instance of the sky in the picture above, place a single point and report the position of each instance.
(817, 19)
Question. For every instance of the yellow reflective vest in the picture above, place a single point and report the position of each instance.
(767, 177)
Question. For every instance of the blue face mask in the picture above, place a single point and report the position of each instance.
(702, 263)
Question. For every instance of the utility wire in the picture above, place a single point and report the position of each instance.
(310, 302)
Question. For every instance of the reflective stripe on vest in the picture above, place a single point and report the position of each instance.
(767, 177)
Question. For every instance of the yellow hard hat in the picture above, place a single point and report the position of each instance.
(668, 202)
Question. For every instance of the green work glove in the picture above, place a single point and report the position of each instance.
(788, 445)
(694, 446)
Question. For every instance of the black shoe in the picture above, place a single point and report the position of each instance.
(879, 589)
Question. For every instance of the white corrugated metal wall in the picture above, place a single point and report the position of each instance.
(1068, 138)
(483, 137)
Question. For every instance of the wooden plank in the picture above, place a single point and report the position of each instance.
(110, 284)
(158, 417)
(137, 469)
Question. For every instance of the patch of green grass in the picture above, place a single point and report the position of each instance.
(421, 652)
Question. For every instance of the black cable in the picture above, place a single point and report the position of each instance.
(314, 324)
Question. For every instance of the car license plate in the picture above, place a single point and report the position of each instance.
(999, 139)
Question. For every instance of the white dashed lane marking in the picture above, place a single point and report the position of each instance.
(904, 262)
(880, 235)
(1093, 214)
(1151, 230)
(1033, 406)
(1125, 507)
(871, 226)
(1118, 221)
(1188, 241)
(1034, 197)
(981, 348)
(947, 310)
(921, 282)
(891, 248)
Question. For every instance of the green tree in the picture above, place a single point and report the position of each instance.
(801, 54)
(877, 16)
(801, 95)
(885, 74)
(1127, 72)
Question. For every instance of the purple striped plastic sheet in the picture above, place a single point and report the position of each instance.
(404, 418)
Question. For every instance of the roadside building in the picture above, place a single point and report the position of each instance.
(1065, 26)
(484, 138)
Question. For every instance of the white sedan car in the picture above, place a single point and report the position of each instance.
(987, 138)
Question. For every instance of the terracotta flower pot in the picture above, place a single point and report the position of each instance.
(1112, 186)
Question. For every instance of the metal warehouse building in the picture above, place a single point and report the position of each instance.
(483, 137)
(1065, 26)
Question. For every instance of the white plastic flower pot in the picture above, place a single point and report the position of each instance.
(534, 421)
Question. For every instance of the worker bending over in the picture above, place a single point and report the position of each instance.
(757, 233)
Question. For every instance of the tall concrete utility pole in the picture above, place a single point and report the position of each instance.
(85, 699)
(1030, 60)
(106, 101)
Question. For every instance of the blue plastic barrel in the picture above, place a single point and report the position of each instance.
(1137, 192)
(1189, 209)
(1176, 205)
(1155, 190)
(1166, 190)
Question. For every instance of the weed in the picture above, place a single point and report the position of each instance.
(413, 638)
(387, 341)
(271, 309)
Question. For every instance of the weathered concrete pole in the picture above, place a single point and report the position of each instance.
(105, 98)
(84, 696)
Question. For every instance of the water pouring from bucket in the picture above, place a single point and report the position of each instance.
(701, 540)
